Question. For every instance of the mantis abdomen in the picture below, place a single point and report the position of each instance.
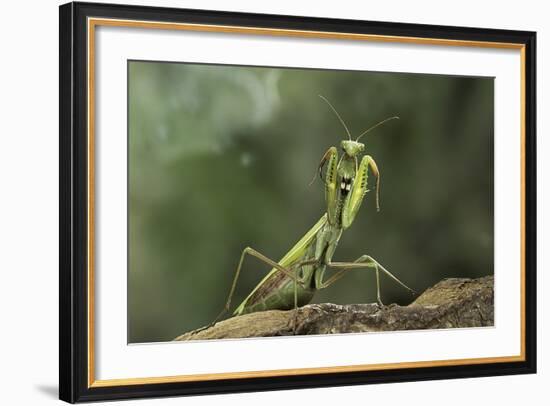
(280, 296)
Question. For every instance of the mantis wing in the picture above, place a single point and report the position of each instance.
(292, 256)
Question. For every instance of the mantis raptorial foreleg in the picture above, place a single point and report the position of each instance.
(363, 262)
(331, 190)
(290, 272)
(359, 189)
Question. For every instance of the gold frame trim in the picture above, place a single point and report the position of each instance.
(94, 22)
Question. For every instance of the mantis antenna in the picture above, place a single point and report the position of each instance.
(376, 125)
(337, 115)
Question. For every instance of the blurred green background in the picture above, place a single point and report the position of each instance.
(220, 158)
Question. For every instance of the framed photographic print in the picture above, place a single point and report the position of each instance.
(255, 202)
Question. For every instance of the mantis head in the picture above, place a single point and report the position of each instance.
(352, 148)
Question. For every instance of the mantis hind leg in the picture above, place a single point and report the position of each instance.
(252, 252)
(363, 262)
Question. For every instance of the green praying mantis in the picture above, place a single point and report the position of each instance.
(293, 280)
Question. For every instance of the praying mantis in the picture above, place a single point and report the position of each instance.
(294, 279)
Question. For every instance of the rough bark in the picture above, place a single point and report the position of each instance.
(451, 303)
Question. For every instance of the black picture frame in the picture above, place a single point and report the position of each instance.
(74, 383)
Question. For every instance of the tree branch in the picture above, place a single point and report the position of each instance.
(453, 302)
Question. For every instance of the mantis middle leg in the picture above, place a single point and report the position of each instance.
(363, 262)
